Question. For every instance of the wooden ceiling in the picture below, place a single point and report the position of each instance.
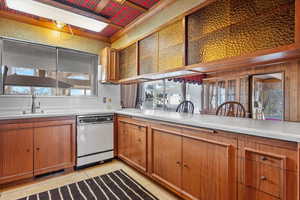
(119, 14)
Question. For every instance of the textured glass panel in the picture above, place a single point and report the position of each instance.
(209, 48)
(213, 17)
(128, 65)
(171, 46)
(245, 9)
(229, 28)
(263, 32)
(148, 51)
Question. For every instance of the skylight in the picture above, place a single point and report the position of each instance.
(56, 14)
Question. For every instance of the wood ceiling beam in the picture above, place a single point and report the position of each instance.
(50, 25)
(103, 3)
(78, 11)
(134, 6)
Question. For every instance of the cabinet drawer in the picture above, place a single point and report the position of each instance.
(248, 193)
(265, 159)
(265, 178)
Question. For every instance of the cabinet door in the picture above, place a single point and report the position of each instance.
(208, 169)
(109, 61)
(53, 148)
(124, 140)
(138, 150)
(16, 154)
(166, 158)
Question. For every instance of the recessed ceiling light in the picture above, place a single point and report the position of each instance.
(56, 14)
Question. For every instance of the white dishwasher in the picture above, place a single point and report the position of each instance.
(95, 139)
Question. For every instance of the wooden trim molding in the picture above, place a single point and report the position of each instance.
(50, 25)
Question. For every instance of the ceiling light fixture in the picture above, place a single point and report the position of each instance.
(59, 24)
(56, 14)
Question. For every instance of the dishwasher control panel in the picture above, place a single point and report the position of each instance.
(95, 119)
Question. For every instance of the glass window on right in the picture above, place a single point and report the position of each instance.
(268, 96)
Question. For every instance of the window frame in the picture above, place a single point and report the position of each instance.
(94, 80)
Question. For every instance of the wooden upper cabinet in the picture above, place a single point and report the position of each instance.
(16, 154)
(171, 46)
(166, 157)
(128, 62)
(54, 147)
(110, 65)
(225, 29)
(148, 54)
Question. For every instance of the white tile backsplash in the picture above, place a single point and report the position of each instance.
(18, 103)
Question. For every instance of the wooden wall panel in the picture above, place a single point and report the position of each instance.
(171, 44)
(297, 18)
(148, 54)
(128, 62)
(291, 71)
(234, 28)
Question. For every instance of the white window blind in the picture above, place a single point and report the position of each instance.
(74, 62)
(26, 55)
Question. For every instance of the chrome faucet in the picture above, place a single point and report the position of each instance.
(34, 107)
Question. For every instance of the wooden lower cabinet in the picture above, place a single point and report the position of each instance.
(132, 146)
(37, 147)
(201, 164)
(208, 170)
(166, 158)
(16, 154)
(52, 148)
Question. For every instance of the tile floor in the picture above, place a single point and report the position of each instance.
(51, 183)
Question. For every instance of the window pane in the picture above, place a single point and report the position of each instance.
(151, 95)
(173, 94)
(221, 92)
(268, 100)
(76, 73)
(28, 68)
(231, 92)
(194, 94)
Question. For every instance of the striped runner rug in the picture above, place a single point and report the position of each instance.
(117, 185)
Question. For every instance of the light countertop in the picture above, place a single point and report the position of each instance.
(57, 113)
(288, 131)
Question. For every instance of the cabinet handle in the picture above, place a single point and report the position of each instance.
(139, 140)
(263, 178)
(264, 158)
(177, 163)
(186, 166)
(28, 150)
(37, 148)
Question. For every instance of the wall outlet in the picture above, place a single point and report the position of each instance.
(104, 99)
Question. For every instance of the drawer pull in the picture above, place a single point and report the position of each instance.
(177, 163)
(185, 165)
(264, 158)
(263, 178)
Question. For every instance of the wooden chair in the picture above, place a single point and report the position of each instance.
(231, 109)
(186, 107)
